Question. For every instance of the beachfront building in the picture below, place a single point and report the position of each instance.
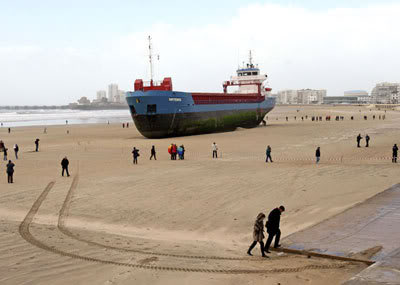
(303, 96)
(341, 100)
(355, 93)
(362, 96)
(386, 93)
(287, 97)
(310, 96)
(100, 95)
(112, 92)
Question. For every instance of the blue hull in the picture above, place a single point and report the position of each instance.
(159, 114)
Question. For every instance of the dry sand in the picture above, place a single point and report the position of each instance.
(185, 222)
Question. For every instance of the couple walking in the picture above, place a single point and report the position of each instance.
(273, 230)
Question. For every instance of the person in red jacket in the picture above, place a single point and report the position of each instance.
(174, 151)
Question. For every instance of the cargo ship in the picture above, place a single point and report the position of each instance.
(158, 111)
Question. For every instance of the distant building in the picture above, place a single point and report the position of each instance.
(386, 93)
(355, 93)
(287, 97)
(310, 96)
(120, 97)
(303, 96)
(101, 94)
(341, 100)
(362, 96)
(112, 92)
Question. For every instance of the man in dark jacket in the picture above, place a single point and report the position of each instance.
(10, 171)
(153, 153)
(135, 153)
(272, 226)
(5, 153)
(37, 144)
(359, 137)
(64, 165)
(268, 152)
(318, 154)
(394, 155)
(367, 141)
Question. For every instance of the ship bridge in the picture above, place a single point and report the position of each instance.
(249, 79)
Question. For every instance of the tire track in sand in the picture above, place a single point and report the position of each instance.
(24, 230)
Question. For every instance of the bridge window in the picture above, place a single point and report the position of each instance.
(255, 73)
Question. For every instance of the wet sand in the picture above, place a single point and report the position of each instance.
(181, 222)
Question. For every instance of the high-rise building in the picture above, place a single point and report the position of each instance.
(120, 97)
(385, 93)
(112, 92)
(101, 94)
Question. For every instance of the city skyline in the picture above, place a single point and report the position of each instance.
(49, 55)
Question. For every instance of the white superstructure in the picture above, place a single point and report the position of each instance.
(249, 79)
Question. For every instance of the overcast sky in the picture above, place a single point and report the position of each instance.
(54, 52)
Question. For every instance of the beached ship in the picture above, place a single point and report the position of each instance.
(158, 111)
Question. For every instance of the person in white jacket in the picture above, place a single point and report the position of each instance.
(215, 150)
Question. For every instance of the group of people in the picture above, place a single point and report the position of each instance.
(175, 151)
(273, 229)
(125, 125)
(359, 138)
(4, 149)
(328, 118)
(10, 165)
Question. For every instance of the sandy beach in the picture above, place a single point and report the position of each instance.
(190, 221)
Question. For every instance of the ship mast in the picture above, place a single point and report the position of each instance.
(250, 59)
(151, 60)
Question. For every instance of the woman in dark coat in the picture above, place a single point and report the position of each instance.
(258, 234)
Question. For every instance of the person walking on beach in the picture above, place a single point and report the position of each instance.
(258, 234)
(5, 153)
(318, 154)
(215, 150)
(170, 151)
(64, 165)
(9, 130)
(367, 141)
(394, 154)
(16, 150)
(268, 152)
(174, 151)
(153, 153)
(183, 152)
(359, 138)
(10, 171)
(37, 145)
(136, 154)
(273, 225)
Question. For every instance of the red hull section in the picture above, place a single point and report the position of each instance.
(226, 98)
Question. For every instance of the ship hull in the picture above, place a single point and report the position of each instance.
(182, 117)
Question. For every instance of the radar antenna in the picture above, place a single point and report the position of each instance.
(151, 59)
